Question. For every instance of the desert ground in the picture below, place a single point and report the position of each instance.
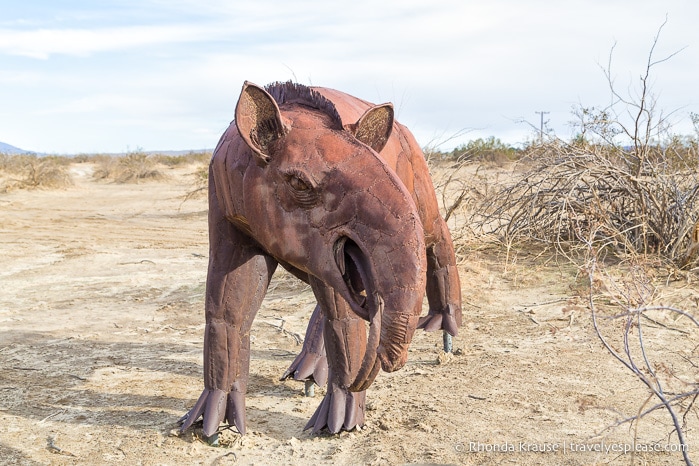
(101, 334)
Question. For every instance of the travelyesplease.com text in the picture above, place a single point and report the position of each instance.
(567, 447)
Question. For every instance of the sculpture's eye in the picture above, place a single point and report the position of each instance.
(301, 188)
(298, 184)
(298, 181)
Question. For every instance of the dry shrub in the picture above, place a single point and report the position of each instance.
(33, 172)
(596, 197)
(131, 168)
(586, 200)
(625, 185)
(460, 187)
(466, 189)
(200, 183)
(570, 193)
(105, 167)
(491, 151)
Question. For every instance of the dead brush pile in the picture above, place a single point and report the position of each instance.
(33, 172)
(615, 200)
(588, 203)
(625, 185)
(131, 168)
(462, 186)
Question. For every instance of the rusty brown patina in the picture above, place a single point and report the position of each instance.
(338, 193)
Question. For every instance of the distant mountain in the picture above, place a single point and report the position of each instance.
(12, 150)
(8, 149)
(177, 152)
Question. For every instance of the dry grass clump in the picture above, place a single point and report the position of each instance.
(28, 171)
(191, 158)
(131, 168)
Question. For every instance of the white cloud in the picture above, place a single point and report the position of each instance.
(41, 43)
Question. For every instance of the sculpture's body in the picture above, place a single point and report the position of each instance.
(334, 190)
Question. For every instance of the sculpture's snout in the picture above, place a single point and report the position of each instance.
(387, 291)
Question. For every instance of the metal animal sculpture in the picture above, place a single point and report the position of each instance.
(338, 193)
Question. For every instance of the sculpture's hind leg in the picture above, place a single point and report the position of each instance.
(345, 342)
(443, 285)
(237, 281)
(311, 363)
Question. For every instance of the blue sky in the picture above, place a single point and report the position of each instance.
(111, 76)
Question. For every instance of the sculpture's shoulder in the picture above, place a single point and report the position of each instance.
(229, 162)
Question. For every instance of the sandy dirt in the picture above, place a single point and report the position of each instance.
(101, 331)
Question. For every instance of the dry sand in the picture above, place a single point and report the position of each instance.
(101, 329)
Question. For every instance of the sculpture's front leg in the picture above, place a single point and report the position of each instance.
(238, 276)
(345, 343)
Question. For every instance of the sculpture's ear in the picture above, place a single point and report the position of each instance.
(375, 126)
(258, 119)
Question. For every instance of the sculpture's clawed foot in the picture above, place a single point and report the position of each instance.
(340, 409)
(216, 406)
(440, 320)
(308, 365)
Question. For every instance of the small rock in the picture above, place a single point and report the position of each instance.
(444, 358)
(424, 427)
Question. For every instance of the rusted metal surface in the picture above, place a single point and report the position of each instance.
(338, 193)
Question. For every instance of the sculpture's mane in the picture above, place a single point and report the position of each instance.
(290, 92)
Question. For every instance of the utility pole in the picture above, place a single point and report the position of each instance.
(541, 130)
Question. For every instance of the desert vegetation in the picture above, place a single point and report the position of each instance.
(131, 168)
(31, 171)
(620, 202)
(138, 166)
(490, 150)
(627, 218)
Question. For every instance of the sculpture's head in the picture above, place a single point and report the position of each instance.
(321, 199)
